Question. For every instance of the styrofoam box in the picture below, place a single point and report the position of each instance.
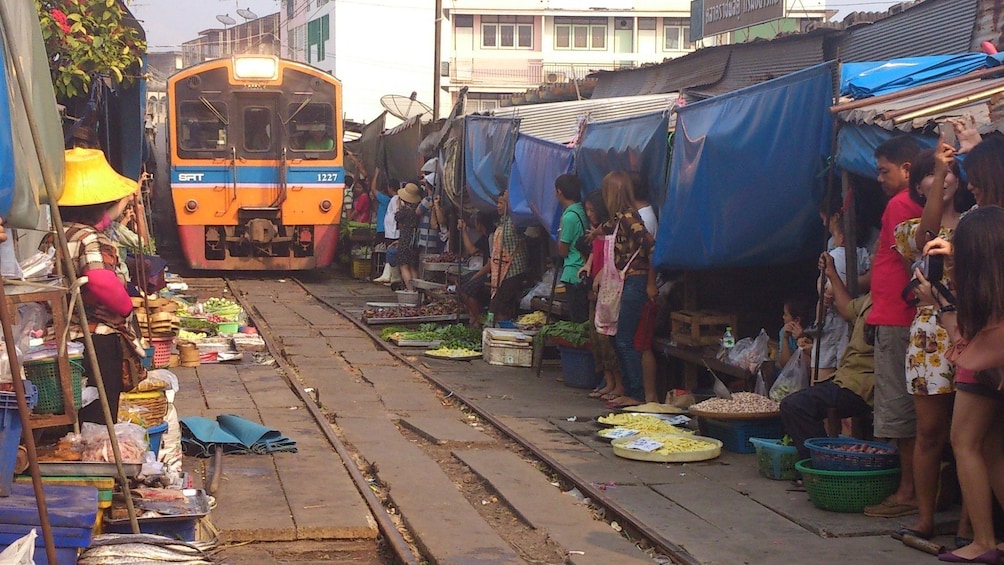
(506, 347)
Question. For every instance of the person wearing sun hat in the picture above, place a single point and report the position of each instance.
(407, 223)
(91, 188)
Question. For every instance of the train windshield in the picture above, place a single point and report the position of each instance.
(202, 126)
(311, 128)
(257, 129)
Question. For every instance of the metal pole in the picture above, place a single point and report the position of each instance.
(71, 272)
(438, 54)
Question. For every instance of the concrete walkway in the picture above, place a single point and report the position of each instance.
(719, 511)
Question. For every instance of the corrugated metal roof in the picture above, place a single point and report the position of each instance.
(700, 67)
(932, 27)
(757, 62)
(559, 121)
(875, 113)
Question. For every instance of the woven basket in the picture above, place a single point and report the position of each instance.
(151, 407)
(44, 374)
(361, 268)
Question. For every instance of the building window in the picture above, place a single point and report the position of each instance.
(646, 24)
(317, 35)
(321, 3)
(506, 32)
(290, 8)
(297, 41)
(676, 35)
(463, 21)
(580, 33)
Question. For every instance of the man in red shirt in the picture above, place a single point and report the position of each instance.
(891, 316)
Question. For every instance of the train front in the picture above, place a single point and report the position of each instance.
(256, 164)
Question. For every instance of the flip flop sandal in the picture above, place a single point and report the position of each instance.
(597, 394)
(888, 509)
(611, 396)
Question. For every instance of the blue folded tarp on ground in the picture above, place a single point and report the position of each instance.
(233, 434)
(862, 80)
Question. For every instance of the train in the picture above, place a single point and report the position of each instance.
(256, 169)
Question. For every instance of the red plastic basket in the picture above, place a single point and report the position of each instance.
(162, 351)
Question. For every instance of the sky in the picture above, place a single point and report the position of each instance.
(169, 23)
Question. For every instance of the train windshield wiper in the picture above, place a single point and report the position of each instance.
(300, 107)
(213, 109)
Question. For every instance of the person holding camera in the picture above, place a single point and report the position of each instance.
(568, 189)
(976, 324)
(930, 378)
(891, 316)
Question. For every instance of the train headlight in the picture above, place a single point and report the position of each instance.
(191, 206)
(325, 206)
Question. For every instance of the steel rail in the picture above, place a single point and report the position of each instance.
(387, 526)
(679, 555)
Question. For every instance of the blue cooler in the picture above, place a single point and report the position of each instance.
(72, 513)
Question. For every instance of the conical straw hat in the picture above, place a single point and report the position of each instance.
(91, 180)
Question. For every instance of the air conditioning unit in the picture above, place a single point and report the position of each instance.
(555, 76)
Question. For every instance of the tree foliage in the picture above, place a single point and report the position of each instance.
(84, 38)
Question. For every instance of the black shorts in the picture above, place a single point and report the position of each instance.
(474, 286)
(506, 300)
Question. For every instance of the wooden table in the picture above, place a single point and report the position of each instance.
(696, 358)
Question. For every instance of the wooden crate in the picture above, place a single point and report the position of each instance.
(697, 328)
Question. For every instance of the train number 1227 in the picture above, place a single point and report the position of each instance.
(327, 177)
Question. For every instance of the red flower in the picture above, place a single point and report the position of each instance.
(60, 18)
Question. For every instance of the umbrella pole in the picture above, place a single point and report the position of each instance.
(71, 273)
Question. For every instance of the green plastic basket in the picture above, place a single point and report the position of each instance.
(847, 491)
(44, 374)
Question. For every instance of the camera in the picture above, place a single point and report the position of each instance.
(931, 266)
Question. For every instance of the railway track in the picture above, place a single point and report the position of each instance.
(405, 552)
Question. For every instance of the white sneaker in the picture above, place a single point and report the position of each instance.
(395, 275)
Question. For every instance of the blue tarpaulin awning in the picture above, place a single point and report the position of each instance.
(862, 80)
(489, 144)
(747, 175)
(637, 143)
(536, 164)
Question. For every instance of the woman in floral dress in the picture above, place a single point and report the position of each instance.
(930, 377)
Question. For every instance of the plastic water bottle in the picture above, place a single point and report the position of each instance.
(728, 340)
(490, 320)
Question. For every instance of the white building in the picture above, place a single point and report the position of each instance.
(377, 48)
(496, 49)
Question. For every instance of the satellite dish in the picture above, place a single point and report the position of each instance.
(247, 14)
(226, 20)
(404, 107)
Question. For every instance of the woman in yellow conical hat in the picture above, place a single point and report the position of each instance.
(91, 189)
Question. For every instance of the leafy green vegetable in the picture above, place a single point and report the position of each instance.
(575, 334)
(786, 440)
(391, 330)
